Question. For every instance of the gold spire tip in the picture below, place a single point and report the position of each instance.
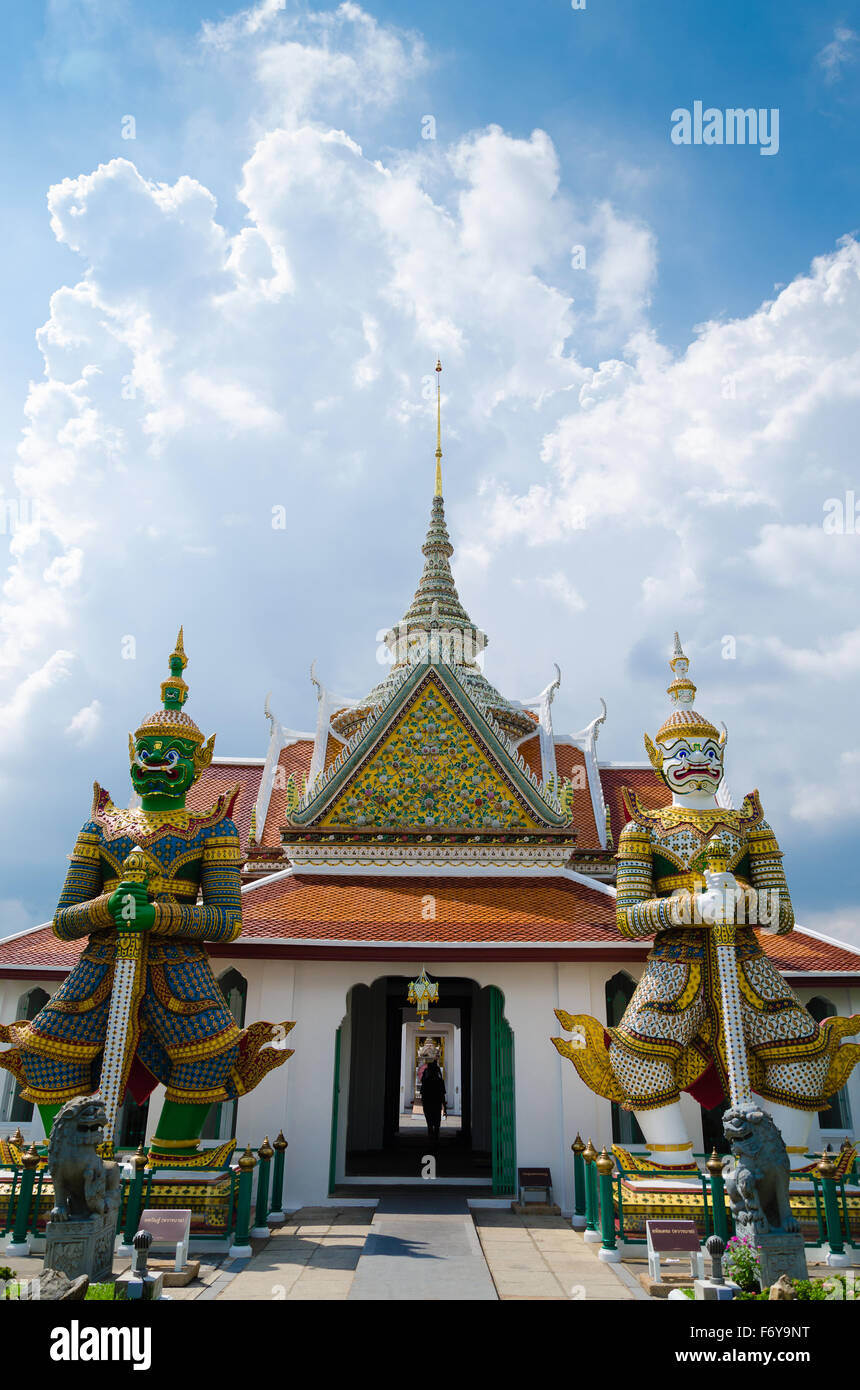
(438, 428)
(179, 649)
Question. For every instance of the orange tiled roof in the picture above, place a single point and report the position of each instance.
(570, 763)
(40, 950)
(530, 751)
(376, 911)
(646, 784)
(222, 777)
(383, 908)
(333, 746)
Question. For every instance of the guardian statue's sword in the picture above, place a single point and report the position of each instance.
(733, 1025)
(128, 981)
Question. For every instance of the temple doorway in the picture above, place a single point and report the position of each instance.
(378, 1128)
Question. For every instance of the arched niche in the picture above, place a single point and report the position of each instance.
(838, 1113)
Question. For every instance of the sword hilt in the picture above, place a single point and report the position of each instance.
(717, 858)
(137, 866)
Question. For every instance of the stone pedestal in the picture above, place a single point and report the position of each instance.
(705, 1290)
(82, 1247)
(781, 1252)
(147, 1289)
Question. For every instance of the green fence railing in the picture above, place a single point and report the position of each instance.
(26, 1195)
(599, 1194)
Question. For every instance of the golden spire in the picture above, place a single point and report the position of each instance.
(179, 650)
(438, 428)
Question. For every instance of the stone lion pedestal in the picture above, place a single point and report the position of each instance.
(80, 1235)
(781, 1252)
(757, 1178)
(82, 1247)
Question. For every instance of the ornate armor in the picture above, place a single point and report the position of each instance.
(673, 1033)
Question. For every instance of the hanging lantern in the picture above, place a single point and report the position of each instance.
(423, 993)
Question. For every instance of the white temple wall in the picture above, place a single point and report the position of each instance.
(552, 1103)
(846, 1001)
(11, 991)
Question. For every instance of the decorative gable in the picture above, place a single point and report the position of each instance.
(430, 771)
(429, 778)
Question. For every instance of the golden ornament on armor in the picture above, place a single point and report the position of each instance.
(718, 859)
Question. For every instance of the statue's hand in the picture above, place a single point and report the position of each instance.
(132, 911)
(720, 882)
(711, 907)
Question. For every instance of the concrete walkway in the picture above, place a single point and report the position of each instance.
(313, 1256)
(422, 1248)
(541, 1257)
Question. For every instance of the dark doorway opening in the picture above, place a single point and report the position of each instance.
(385, 1134)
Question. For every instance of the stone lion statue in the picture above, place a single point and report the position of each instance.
(757, 1173)
(84, 1185)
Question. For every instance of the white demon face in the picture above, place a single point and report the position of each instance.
(693, 765)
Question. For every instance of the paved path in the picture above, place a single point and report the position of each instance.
(422, 1248)
(311, 1257)
(540, 1257)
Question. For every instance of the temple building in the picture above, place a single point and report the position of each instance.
(433, 825)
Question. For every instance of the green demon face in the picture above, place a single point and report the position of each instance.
(162, 766)
(691, 764)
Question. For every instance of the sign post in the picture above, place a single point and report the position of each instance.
(169, 1226)
(674, 1238)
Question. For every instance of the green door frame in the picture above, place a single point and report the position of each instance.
(335, 1106)
(502, 1100)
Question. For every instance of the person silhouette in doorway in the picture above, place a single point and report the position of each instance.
(433, 1099)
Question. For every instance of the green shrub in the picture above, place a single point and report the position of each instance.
(741, 1264)
(810, 1290)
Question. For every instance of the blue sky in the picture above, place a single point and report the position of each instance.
(274, 263)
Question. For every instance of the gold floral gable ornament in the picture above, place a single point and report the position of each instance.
(423, 993)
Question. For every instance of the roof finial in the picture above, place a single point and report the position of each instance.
(438, 428)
